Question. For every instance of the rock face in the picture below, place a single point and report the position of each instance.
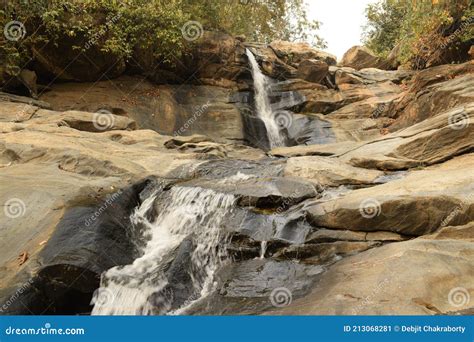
(297, 52)
(370, 282)
(372, 191)
(167, 109)
(434, 91)
(408, 205)
(368, 75)
(360, 57)
(85, 243)
(270, 192)
(312, 70)
(329, 171)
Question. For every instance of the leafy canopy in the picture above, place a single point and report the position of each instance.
(120, 26)
(421, 29)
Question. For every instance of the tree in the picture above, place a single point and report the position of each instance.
(119, 27)
(424, 31)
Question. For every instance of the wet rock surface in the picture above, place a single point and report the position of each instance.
(369, 282)
(88, 240)
(246, 287)
(263, 193)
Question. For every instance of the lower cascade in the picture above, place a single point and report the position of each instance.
(186, 229)
(262, 102)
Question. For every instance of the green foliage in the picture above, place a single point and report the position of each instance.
(419, 28)
(258, 20)
(119, 27)
(383, 29)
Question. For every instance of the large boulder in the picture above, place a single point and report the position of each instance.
(294, 53)
(410, 205)
(433, 91)
(270, 64)
(428, 142)
(320, 99)
(215, 58)
(312, 70)
(360, 57)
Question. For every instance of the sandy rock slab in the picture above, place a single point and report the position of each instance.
(432, 141)
(420, 203)
(329, 171)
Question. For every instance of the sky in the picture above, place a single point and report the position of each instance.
(342, 22)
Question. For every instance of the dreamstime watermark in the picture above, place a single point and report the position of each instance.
(102, 297)
(368, 299)
(459, 119)
(102, 208)
(463, 207)
(99, 34)
(256, 2)
(15, 296)
(459, 297)
(103, 120)
(198, 111)
(371, 121)
(292, 198)
(14, 208)
(370, 208)
(448, 40)
(192, 30)
(14, 31)
(46, 330)
(283, 119)
(463, 27)
(281, 297)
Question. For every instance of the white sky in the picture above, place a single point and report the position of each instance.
(342, 22)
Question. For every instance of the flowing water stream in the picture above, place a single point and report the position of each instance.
(144, 287)
(263, 107)
(178, 249)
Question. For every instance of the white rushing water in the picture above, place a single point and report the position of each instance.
(127, 290)
(264, 110)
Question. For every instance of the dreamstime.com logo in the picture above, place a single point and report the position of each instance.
(103, 297)
(14, 208)
(281, 297)
(283, 119)
(369, 208)
(103, 120)
(14, 31)
(46, 330)
(459, 297)
(192, 30)
(458, 120)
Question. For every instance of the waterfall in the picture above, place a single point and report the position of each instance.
(262, 102)
(142, 288)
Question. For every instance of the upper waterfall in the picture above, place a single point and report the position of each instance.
(262, 102)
